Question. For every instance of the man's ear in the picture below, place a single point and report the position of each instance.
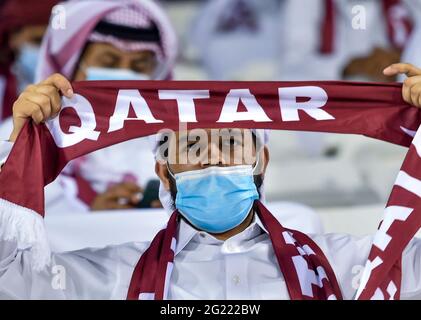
(161, 171)
(265, 159)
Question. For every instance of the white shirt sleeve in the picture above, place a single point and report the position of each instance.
(85, 274)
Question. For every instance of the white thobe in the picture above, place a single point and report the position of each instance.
(242, 267)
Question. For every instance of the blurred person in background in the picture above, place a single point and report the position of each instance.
(22, 26)
(277, 39)
(351, 40)
(106, 40)
(244, 32)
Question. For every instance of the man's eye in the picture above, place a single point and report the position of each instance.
(108, 64)
(232, 142)
(143, 66)
(107, 61)
(140, 68)
(190, 145)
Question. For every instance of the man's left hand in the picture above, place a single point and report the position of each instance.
(411, 89)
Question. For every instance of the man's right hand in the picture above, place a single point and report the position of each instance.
(124, 195)
(40, 102)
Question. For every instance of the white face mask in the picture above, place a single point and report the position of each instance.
(96, 73)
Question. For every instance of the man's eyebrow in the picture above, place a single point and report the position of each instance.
(143, 58)
(110, 53)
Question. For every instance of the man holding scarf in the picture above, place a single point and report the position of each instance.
(221, 243)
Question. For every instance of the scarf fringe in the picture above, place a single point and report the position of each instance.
(26, 227)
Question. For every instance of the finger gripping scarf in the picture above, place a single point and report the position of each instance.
(105, 113)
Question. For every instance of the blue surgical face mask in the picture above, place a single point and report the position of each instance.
(26, 64)
(94, 73)
(216, 199)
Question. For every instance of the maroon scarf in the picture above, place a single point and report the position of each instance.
(95, 118)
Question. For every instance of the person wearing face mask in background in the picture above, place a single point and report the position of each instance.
(22, 26)
(106, 40)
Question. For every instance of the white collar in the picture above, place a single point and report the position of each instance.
(185, 233)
